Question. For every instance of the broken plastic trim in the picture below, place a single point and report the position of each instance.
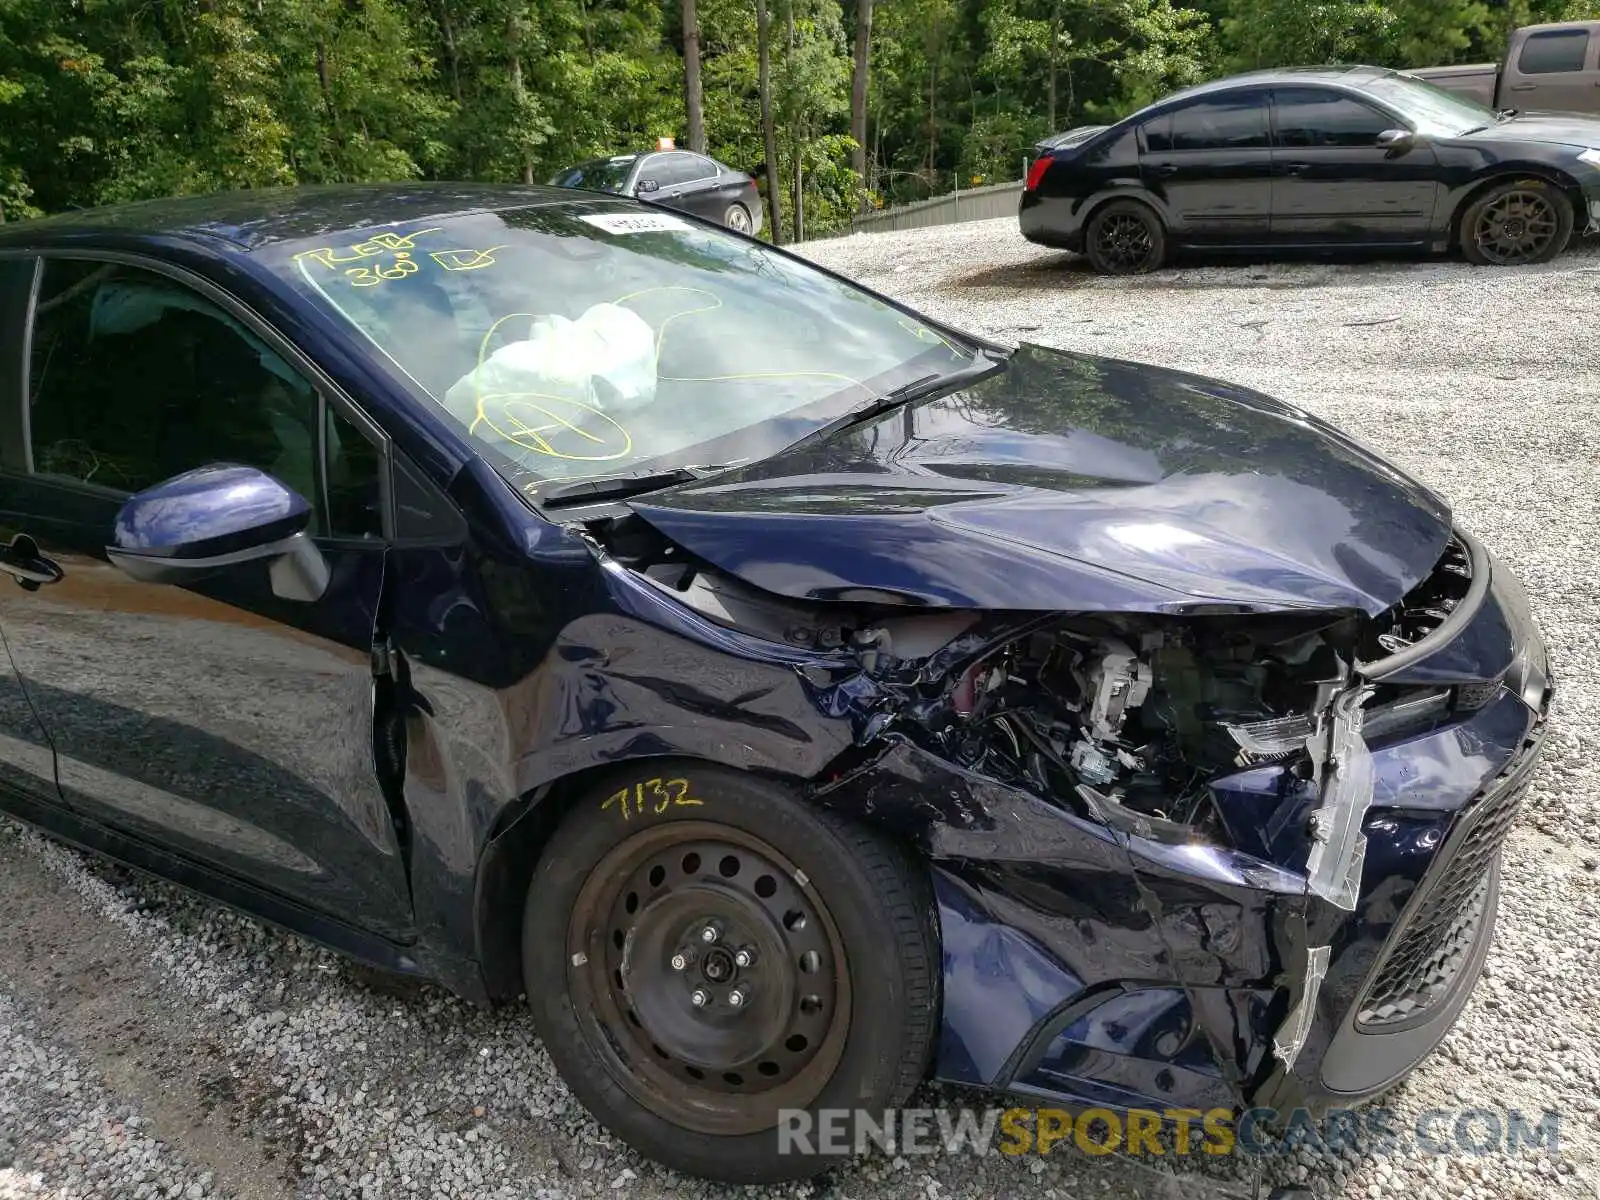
(1260, 741)
(1291, 1035)
(1450, 628)
(1344, 773)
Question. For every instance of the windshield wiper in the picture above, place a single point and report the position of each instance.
(981, 364)
(618, 487)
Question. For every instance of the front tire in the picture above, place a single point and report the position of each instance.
(1125, 237)
(704, 952)
(1516, 224)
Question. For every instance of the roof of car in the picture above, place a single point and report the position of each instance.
(1350, 75)
(256, 217)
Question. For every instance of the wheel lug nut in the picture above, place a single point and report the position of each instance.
(709, 934)
(735, 998)
(679, 962)
(699, 998)
(744, 958)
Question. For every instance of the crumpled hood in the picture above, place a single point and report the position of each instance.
(1069, 482)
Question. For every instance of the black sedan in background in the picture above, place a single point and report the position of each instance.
(677, 179)
(1337, 157)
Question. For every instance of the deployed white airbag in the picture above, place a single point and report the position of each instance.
(606, 359)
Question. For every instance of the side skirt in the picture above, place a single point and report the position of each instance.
(403, 959)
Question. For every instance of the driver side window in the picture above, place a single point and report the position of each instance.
(135, 378)
(1317, 117)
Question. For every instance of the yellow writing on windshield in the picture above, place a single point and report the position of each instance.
(465, 260)
(402, 266)
(395, 247)
(376, 246)
(525, 418)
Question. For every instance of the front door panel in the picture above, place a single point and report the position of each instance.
(1334, 183)
(216, 720)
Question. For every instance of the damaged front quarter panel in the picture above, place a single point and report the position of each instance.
(1030, 815)
(1057, 771)
(1147, 831)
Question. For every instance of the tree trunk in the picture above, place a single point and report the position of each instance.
(858, 94)
(588, 33)
(514, 66)
(692, 103)
(325, 86)
(769, 135)
(794, 130)
(799, 195)
(452, 55)
(1055, 24)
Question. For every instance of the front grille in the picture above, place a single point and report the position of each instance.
(1435, 935)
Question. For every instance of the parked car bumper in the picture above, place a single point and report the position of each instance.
(1051, 221)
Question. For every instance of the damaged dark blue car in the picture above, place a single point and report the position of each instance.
(791, 696)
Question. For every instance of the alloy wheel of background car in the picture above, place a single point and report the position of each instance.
(1517, 224)
(1125, 238)
(692, 980)
(737, 218)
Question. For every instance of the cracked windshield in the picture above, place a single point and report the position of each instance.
(578, 343)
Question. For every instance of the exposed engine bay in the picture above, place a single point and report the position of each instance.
(1142, 714)
(1130, 716)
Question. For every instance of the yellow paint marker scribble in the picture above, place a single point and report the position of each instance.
(651, 797)
(525, 418)
(371, 276)
(465, 260)
(378, 244)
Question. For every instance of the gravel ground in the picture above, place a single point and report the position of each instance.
(153, 1045)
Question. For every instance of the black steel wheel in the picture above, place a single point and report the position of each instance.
(1517, 224)
(704, 952)
(1125, 238)
(724, 974)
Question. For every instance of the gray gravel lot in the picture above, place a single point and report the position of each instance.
(153, 1045)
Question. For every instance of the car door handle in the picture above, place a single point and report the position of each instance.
(1527, 87)
(1164, 169)
(1294, 168)
(22, 561)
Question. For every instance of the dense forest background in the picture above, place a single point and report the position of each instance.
(110, 100)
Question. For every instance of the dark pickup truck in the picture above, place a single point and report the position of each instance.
(1548, 68)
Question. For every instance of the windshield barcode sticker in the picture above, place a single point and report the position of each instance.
(636, 223)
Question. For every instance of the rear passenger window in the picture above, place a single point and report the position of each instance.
(1318, 117)
(134, 378)
(1558, 50)
(1224, 123)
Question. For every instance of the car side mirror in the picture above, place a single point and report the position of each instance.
(215, 517)
(647, 185)
(1396, 141)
